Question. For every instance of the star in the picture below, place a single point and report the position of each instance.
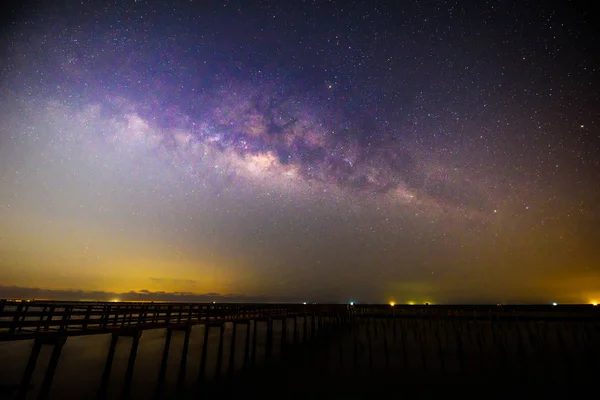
(182, 148)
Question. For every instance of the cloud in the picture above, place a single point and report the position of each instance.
(11, 292)
(173, 281)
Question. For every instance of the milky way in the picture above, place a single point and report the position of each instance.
(307, 150)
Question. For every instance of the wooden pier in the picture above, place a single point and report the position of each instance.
(51, 323)
(317, 341)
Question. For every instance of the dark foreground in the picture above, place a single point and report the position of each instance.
(369, 349)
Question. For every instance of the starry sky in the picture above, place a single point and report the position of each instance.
(437, 151)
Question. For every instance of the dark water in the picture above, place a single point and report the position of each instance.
(82, 361)
(366, 356)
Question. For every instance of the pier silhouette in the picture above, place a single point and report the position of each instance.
(306, 347)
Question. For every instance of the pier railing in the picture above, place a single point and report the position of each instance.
(27, 319)
(51, 323)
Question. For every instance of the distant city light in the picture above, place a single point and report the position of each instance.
(594, 303)
(115, 300)
(555, 304)
(351, 303)
(304, 303)
(392, 303)
(411, 303)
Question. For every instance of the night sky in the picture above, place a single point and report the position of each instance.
(371, 151)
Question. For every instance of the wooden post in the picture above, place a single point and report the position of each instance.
(565, 353)
(122, 309)
(105, 317)
(130, 365)
(341, 350)
(369, 344)
(403, 337)
(86, 319)
(108, 365)
(419, 338)
(183, 362)
(269, 345)
(499, 346)
(461, 355)
(163, 364)
(247, 346)
(231, 365)
(51, 369)
(522, 353)
(305, 328)
(394, 327)
(117, 312)
(204, 353)
(355, 333)
(26, 379)
(37, 329)
(440, 350)
(254, 342)
(385, 346)
(220, 351)
(283, 335)
(49, 318)
(296, 332)
(23, 316)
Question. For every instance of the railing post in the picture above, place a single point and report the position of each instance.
(39, 326)
(143, 312)
(86, 319)
(168, 316)
(117, 310)
(65, 318)
(105, 317)
(49, 318)
(24, 315)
